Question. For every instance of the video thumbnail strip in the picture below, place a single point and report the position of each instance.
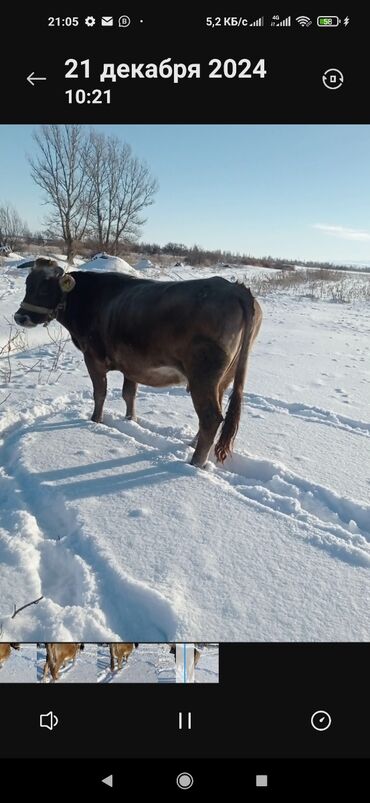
(109, 662)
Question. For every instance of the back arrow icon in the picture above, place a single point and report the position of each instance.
(32, 77)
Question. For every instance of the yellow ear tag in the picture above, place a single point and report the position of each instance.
(67, 283)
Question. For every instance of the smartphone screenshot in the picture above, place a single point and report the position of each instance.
(184, 399)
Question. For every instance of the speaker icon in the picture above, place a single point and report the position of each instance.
(49, 720)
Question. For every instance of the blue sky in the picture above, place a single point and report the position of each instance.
(290, 191)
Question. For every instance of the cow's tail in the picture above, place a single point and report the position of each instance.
(50, 660)
(231, 422)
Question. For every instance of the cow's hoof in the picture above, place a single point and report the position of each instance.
(197, 464)
(96, 420)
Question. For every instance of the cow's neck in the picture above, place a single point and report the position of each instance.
(74, 315)
(86, 298)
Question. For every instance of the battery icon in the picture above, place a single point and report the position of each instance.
(328, 22)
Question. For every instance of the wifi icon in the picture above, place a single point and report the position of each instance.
(304, 21)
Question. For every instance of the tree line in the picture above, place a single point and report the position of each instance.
(96, 191)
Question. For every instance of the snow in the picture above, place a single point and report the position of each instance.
(102, 262)
(126, 541)
(17, 262)
(206, 670)
(149, 663)
(153, 663)
(146, 664)
(20, 667)
(144, 264)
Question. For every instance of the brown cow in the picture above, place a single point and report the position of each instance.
(57, 655)
(120, 652)
(5, 650)
(197, 333)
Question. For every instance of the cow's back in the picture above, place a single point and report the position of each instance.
(5, 651)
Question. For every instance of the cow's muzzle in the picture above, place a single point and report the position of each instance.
(23, 320)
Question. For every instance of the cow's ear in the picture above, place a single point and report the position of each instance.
(67, 283)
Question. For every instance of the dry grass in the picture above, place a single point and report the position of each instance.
(17, 341)
(48, 369)
(328, 285)
(59, 342)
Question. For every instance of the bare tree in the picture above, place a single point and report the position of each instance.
(99, 168)
(60, 170)
(121, 187)
(12, 227)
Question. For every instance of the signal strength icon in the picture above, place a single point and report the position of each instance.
(304, 22)
(284, 23)
(257, 23)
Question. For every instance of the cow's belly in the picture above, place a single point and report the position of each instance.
(160, 377)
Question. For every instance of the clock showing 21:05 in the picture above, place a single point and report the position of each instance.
(63, 22)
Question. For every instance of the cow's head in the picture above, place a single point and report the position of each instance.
(46, 286)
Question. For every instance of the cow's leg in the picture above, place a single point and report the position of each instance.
(194, 442)
(111, 658)
(206, 404)
(128, 394)
(98, 376)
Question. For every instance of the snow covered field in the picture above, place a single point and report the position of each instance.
(153, 663)
(149, 663)
(20, 667)
(125, 540)
(207, 670)
(142, 665)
